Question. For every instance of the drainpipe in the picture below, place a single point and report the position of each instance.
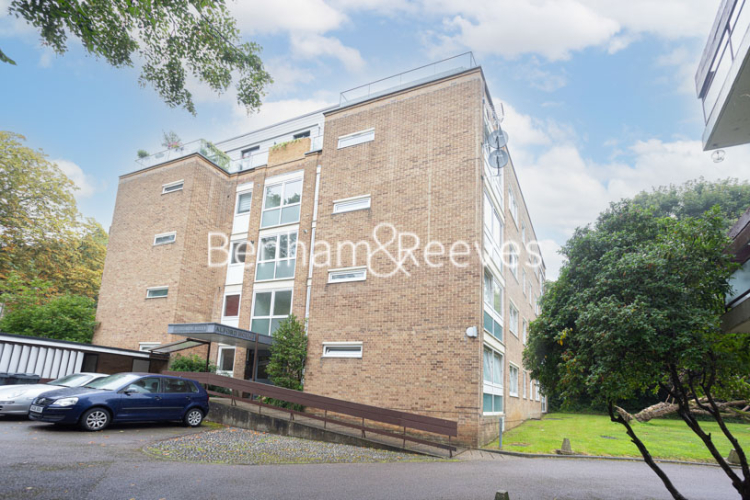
(312, 243)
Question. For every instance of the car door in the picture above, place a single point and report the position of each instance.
(140, 401)
(178, 395)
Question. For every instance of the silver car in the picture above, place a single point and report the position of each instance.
(16, 399)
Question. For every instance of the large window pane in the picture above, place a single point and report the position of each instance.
(285, 268)
(292, 192)
(487, 403)
(265, 271)
(487, 365)
(497, 369)
(232, 305)
(290, 214)
(262, 304)
(244, 202)
(273, 196)
(268, 248)
(283, 303)
(260, 326)
(270, 218)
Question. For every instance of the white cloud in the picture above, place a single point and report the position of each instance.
(556, 28)
(553, 261)
(286, 75)
(312, 45)
(298, 16)
(274, 112)
(87, 184)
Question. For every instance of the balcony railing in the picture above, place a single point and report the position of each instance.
(250, 162)
(427, 73)
(730, 27)
(202, 147)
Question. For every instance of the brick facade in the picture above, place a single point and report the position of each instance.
(424, 172)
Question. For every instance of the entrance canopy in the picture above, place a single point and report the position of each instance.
(203, 333)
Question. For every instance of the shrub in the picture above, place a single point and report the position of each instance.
(67, 317)
(288, 355)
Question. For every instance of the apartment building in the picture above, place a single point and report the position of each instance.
(722, 81)
(393, 223)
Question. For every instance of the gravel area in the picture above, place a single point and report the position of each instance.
(240, 446)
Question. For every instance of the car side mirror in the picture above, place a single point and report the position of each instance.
(128, 392)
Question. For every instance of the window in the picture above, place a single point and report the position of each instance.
(179, 386)
(523, 286)
(344, 275)
(172, 187)
(525, 332)
(244, 200)
(165, 238)
(277, 257)
(282, 203)
(513, 205)
(157, 292)
(351, 204)
(231, 306)
(147, 346)
(342, 349)
(492, 397)
(537, 390)
(356, 138)
(531, 388)
(247, 153)
(513, 319)
(148, 385)
(493, 229)
(493, 308)
(513, 258)
(238, 252)
(524, 386)
(225, 360)
(513, 382)
(306, 133)
(269, 309)
(523, 232)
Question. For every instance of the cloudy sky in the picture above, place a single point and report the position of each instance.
(599, 94)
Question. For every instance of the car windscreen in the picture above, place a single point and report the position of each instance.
(73, 380)
(112, 382)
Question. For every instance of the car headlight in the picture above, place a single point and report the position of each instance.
(65, 402)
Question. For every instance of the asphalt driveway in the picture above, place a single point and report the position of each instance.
(39, 461)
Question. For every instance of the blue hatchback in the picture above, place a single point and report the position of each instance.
(125, 397)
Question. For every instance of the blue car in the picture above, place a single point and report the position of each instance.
(125, 397)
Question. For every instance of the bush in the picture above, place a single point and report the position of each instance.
(190, 363)
(288, 355)
(67, 317)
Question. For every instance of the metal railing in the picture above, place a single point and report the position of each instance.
(731, 25)
(328, 405)
(429, 72)
(200, 146)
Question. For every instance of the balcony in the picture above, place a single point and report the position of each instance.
(434, 71)
(723, 78)
(201, 147)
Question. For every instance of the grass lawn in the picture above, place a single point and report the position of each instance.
(597, 435)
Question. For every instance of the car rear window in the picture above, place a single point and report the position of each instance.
(175, 385)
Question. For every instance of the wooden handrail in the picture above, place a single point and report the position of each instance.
(366, 412)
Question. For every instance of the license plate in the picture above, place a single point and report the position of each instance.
(36, 409)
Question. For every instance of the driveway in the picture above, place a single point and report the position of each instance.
(39, 461)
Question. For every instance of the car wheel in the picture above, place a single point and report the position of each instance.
(193, 418)
(95, 419)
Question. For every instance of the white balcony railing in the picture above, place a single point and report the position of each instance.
(202, 147)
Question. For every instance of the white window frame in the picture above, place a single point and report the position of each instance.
(147, 346)
(493, 230)
(524, 385)
(490, 386)
(513, 259)
(222, 348)
(356, 138)
(273, 292)
(342, 354)
(232, 251)
(224, 305)
(361, 274)
(352, 204)
(173, 234)
(155, 288)
(165, 188)
(283, 183)
(513, 325)
(513, 388)
(523, 286)
(291, 254)
(237, 213)
(525, 332)
(538, 394)
(512, 205)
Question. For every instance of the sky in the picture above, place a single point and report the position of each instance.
(599, 95)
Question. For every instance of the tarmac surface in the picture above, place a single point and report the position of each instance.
(41, 461)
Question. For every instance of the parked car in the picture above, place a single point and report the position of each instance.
(125, 397)
(16, 399)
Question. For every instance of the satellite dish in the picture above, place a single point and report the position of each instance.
(498, 139)
(718, 156)
(498, 159)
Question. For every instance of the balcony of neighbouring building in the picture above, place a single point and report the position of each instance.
(201, 147)
(411, 78)
(737, 317)
(723, 78)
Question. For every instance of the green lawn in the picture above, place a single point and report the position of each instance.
(597, 435)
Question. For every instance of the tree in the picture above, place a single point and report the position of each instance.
(34, 311)
(171, 140)
(638, 306)
(175, 39)
(288, 355)
(42, 235)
